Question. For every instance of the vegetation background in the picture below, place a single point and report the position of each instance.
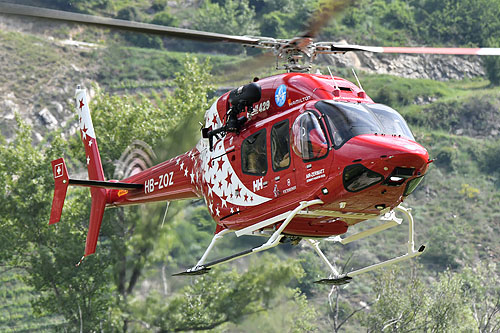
(153, 89)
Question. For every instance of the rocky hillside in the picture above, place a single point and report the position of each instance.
(42, 62)
(440, 68)
(40, 69)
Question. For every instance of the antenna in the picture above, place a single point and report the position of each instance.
(359, 83)
(336, 90)
(362, 93)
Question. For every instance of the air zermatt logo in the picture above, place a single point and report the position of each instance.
(280, 95)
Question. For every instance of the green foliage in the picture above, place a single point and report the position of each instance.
(481, 287)
(442, 250)
(48, 253)
(445, 156)
(16, 313)
(285, 19)
(461, 22)
(406, 303)
(234, 17)
(397, 91)
(492, 65)
(222, 296)
(470, 113)
(490, 158)
(120, 120)
(165, 18)
(131, 67)
(138, 39)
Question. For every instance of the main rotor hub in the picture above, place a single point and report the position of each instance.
(298, 52)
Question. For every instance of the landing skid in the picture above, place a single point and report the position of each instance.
(335, 282)
(390, 220)
(201, 267)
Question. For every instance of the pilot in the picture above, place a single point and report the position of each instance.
(317, 143)
(281, 155)
(256, 161)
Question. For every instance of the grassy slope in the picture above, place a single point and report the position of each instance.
(16, 314)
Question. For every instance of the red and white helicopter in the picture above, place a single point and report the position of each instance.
(292, 157)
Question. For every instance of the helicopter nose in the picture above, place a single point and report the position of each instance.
(390, 151)
(383, 159)
(411, 152)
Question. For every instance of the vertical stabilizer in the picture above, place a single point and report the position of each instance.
(93, 159)
(94, 167)
(61, 182)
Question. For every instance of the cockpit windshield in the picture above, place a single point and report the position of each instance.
(347, 120)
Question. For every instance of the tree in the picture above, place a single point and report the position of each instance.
(48, 254)
(482, 289)
(406, 303)
(234, 17)
(224, 296)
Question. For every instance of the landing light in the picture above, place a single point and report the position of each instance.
(396, 179)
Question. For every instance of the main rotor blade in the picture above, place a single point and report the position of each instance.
(9, 8)
(323, 15)
(418, 50)
(247, 68)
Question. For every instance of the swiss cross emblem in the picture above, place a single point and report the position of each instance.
(58, 170)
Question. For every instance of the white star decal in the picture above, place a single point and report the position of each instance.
(182, 165)
(217, 211)
(192, 177)
(177, 161)
(90, 143)
(231, 210)
(88, 159)
(186, 172)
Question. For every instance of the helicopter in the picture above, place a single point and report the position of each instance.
(291, 157)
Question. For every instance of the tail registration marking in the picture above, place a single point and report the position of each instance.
(163, 181)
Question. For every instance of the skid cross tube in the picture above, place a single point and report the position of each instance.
(274, 240)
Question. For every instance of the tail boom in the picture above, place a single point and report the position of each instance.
(174, 179)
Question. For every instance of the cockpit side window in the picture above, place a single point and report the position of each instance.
(254, 154)
(309, 140)
(280, 145)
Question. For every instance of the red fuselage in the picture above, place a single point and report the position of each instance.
(334, 143)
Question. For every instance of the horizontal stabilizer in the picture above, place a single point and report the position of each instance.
(105, 184)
